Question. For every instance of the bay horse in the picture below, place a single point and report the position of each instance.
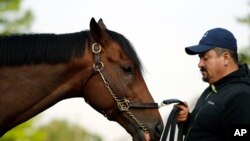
(99, 65)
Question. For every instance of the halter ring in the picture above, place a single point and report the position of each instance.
(96, 48)
(98, 66)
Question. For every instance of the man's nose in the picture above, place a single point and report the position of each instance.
(201, 63)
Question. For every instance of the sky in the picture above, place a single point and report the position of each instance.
(159, 30)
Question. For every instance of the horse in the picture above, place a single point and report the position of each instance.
(100, 65)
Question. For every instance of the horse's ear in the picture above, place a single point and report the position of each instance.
(101, 24)
(97, 32)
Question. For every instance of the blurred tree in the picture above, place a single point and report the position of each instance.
(244, 55)
(62, 131)
(12, 18)
(25, 132)
(53, 131)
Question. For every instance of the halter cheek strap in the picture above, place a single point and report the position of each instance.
(123, 104)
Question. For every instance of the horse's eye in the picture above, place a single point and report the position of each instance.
(127, 69)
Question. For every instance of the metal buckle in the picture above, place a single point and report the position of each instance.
(123, 105)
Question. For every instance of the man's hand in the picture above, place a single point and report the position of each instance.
(183, 114)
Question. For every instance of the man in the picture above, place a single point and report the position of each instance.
(226, 101)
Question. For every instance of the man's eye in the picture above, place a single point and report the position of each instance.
(205, 58)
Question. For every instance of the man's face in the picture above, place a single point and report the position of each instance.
(211, 66)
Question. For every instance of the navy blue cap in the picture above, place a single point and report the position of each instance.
(217, 37)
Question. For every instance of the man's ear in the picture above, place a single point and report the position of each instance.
(227, 58)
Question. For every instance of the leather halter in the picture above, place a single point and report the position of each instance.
(123, 104)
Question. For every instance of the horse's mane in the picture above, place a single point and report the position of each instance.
(21, 49)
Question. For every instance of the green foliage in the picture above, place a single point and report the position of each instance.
(62, 131)
(53, 131)
(246, 19)
(12, 18)
(25, 132)
(244, 55)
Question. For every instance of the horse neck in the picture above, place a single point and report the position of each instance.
(25, 91)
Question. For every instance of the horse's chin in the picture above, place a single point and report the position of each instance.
(141, 136)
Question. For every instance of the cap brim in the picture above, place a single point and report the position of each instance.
(197, 49)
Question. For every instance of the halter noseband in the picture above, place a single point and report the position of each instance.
(123, 104)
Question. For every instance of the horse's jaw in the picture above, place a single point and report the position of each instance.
(141, 136)
(136, 132)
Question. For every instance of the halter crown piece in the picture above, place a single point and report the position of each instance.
(96, 49)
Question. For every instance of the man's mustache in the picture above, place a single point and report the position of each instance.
(203, 69)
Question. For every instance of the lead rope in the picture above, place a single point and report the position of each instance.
(172, 123)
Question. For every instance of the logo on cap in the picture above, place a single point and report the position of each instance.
(205, 35)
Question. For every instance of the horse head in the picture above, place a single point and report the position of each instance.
(116, 87)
